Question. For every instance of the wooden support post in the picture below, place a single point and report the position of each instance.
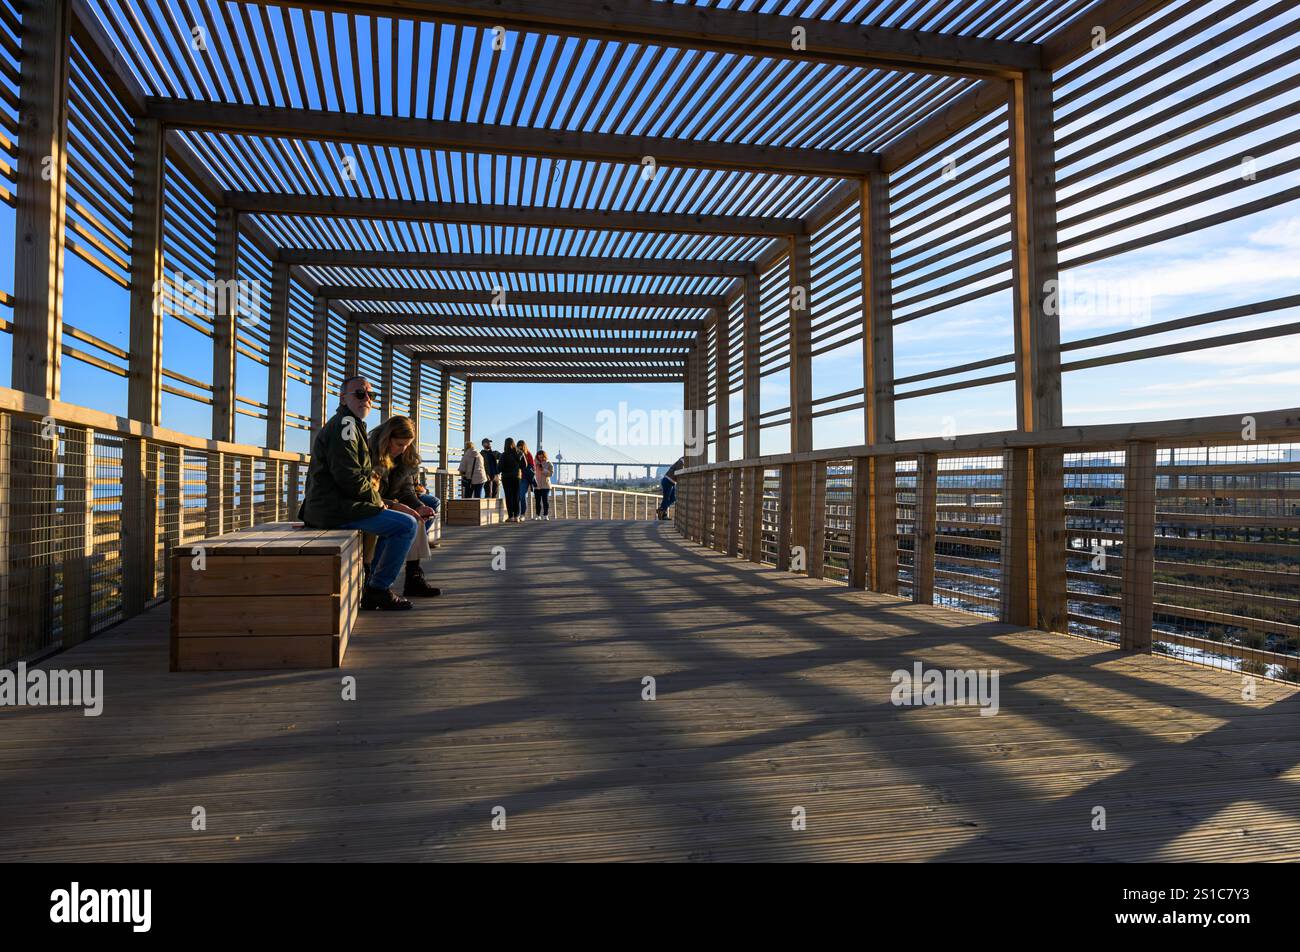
(785, 517)
(37, 321)
(1037, 337)
(733, 511)
(40, 198)
(386, 380)
(247, 512)
(444, 422)
(750, 364)
(224, 326)
(294, 494)
(144, 370)
(320, 383)
(413, 398)
(884, 526)
(78, 533)
(713, 507)
(466, 413)
(139, 526)
(800, 344)
(859, 569)
(1138, 560)
(816, 478)
(927, 482)
(1015, 596)
(722, 404)
(277, 373)
(878, 332)
(800, 510)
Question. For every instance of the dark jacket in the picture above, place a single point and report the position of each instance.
(527, 475)
(400, 479)
(339, 489)
(511, 463)
(491, 463)
(671, 474)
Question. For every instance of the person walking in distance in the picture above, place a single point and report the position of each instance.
(511, 465)
(542, 472)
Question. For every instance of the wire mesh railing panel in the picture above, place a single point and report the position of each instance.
(1227, 557)
(1095, 497)
(837, 560)
(770, 527)
(905, 508)
(968, 534)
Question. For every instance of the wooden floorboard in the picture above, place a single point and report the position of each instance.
(522, 689)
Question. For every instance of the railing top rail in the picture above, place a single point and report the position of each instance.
(38, 408)
(597, 489)
(1269, 426)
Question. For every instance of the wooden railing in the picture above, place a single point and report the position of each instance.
(1181, 538)
(571, 502)
(92, 504)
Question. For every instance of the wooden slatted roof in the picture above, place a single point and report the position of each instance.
(615, 176)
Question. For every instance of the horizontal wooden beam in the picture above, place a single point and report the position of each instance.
(495, 321)
(512, 298)
(451, 341)
(506, 140)
(389, 209)
(535, 264)
(578, 378)
(525, 359)
(646, 22)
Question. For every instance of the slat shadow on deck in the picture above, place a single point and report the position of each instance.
(522, 689)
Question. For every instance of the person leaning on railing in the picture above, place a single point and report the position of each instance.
(669, 486)
(397, 465)
(341, 493)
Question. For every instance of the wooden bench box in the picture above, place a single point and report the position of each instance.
(474, 512)
(273, 596)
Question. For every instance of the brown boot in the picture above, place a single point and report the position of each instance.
(415, 582)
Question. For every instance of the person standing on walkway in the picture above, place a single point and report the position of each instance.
(669, 486)
(492, 467)
(341, 493)
(511, 465)
(542, 472)
(526, 479)
(472, 474)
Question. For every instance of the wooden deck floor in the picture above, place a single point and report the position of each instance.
(522, 689)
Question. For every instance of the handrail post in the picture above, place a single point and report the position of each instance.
(733, 510)
(1138, 561)
(884, 525)
(754, 514)
(1015, 595)
(79, 532)
(927, 483)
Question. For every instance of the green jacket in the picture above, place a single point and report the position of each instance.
(339, 489)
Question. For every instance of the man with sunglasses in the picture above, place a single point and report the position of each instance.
(340, 494)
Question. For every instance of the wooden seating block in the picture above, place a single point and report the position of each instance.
(474, 512)
(272, 596)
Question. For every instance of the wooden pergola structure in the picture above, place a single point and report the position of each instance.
(443, 193)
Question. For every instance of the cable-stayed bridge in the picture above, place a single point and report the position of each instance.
(577, 456)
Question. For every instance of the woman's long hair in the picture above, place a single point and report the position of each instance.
(522, 447)
(508, 445)
(400, 428)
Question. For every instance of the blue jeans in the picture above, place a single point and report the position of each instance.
(430, 500)
(524, 492)
(670, 493)
(396, 531)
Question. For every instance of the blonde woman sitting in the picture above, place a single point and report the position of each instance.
(396, 464)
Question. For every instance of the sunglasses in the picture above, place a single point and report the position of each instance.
(368, 395)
